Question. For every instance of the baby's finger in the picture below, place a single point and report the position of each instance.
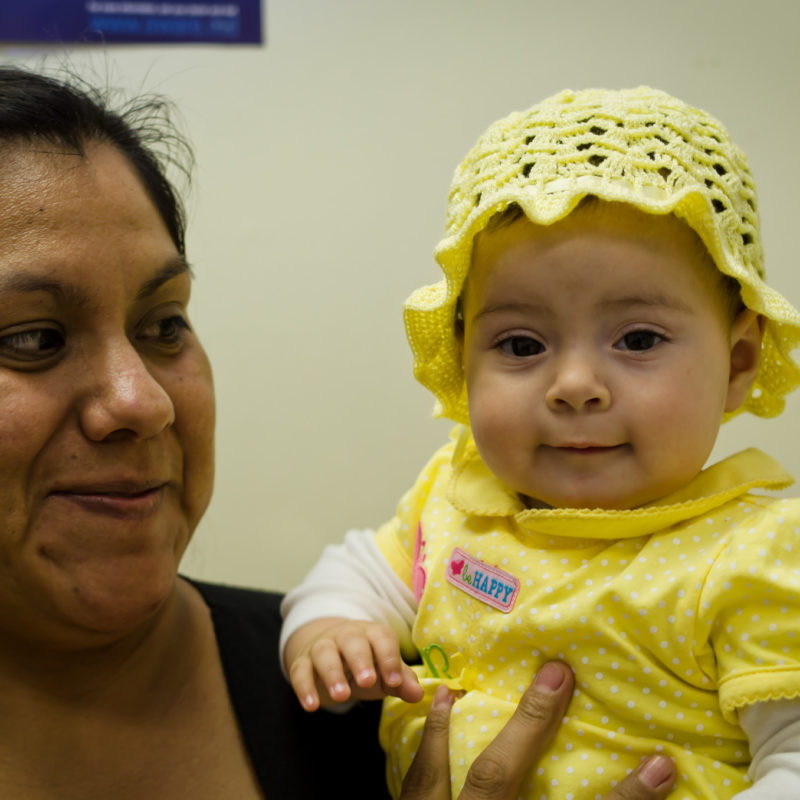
(301, 676)
(408, 689)
(386, 650)
(328, 666)
(356, 651)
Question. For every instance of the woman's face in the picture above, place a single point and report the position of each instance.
(106, 398)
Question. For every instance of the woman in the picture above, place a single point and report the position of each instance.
(117, 677)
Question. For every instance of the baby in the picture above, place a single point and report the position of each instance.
(603, 311)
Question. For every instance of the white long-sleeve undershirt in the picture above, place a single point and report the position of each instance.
(352, 580)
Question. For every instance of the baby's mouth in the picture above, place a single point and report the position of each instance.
(585, 447)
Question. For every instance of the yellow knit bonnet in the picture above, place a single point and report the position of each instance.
(638, 146)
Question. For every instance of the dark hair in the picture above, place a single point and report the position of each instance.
(71, 114)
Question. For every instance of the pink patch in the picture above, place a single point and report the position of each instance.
(418, 574)
(484, 582)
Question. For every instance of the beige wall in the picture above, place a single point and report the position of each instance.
(324, 160)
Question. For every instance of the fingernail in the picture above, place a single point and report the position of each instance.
(655, 771)
(550, 677)
(443, 698)
(393, 678)
(365, 675)
(338, 688)
(308, 701)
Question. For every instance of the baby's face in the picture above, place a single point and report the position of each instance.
(597, 354)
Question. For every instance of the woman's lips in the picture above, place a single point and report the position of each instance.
(123, 500)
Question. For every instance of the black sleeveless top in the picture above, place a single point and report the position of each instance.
(295, 754)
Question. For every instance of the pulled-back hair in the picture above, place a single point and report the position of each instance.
(71, 114)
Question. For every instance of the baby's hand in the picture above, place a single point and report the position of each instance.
(333, 660)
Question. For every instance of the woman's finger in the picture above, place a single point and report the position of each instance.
(498, 771)
(651, 781)
(429, 775)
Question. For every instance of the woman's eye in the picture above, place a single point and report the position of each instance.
(168, 331)
(521, 346)
(640, 340)
(36, 344)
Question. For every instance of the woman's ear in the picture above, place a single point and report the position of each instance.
(746, 334)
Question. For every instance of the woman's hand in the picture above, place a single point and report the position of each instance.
(498, 771)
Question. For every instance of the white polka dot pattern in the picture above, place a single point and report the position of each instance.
(668, 633)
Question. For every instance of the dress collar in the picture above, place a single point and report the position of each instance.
(475, 490)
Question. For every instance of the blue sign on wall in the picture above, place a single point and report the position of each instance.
(109, 21)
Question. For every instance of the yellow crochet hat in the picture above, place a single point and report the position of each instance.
(638, 146)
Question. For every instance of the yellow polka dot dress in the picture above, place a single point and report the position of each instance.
(672, 615)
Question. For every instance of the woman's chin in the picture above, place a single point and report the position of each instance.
(104, 602)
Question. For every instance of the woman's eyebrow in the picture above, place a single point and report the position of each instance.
(174, 267)
(23, 281)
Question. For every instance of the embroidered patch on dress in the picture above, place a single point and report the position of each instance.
(419, 575)
(489, 584)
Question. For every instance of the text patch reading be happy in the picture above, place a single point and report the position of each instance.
(484, 582)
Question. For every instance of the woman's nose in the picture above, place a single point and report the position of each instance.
(577, 385)
(122, 397)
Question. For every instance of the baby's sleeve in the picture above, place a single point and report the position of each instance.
(367, 576)
(750, 607)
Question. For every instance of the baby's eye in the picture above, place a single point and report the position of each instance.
(640, 340)
(521, 346)
(35, 344)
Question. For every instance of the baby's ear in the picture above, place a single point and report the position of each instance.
(746, 334)
(458, 328)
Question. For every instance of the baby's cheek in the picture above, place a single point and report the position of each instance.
(491, 426)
